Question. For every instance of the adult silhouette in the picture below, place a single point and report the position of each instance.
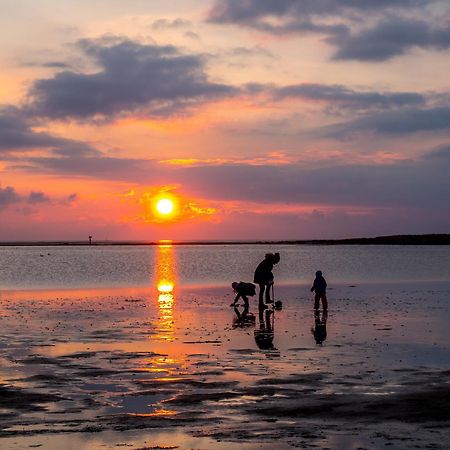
(264, 277)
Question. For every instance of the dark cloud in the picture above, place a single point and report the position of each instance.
(404, 121)
(439, 153)
(69, 200)
(88, 166)
(294, 16)
(390, 38)
(343, 96)
(8, 195)
(16, 133)
(38, 197)
(302, 26)
(250, 11)
(132, 77)
(394, 34)
(62, 156)
(418, 184)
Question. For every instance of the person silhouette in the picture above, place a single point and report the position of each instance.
(264, 277)
(320, 327)
(320, 288)
(265, 334)
(243, 289)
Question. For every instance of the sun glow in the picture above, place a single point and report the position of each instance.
(165, 206)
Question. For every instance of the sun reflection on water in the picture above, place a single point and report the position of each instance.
(165, 284)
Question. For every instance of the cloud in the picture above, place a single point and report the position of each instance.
(405, 121)
(235, 11)
(293, 16)
(417, 184)
(166, 24)
(132, 77)
(16, 133)
(340, 21)
(338, 95)
(69, 200)
(390, 38)
(439, 153)
(246, 52)
(8, 195)
(62, 156)
(38, 197)
(101, 167)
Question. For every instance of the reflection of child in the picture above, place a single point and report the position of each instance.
(320, 327)
(243, 289)
(320, 288)
(243, 319)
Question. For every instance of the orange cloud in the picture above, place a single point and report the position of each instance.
(272, 158)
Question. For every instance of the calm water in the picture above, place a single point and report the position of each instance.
(115, 266)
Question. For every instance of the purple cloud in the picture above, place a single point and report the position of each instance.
(8, 195)
(389, 38)
(133, 77)
(16, 133)
(393, 34)
(38, 197)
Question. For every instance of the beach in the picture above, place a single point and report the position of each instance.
(161, 161)
(174, 367)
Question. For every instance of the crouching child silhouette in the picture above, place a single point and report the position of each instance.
(243, 290)
(320, 288)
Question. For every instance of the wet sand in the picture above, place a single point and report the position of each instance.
(142, 369)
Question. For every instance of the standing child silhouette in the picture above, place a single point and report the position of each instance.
(320, 288)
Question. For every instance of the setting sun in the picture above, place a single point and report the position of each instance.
(165, 206)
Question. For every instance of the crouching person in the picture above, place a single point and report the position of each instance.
(243, 290)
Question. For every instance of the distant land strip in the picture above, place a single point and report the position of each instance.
(405, 239)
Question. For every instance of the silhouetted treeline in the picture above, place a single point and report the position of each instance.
(402, 239)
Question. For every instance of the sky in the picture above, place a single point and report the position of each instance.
(259, 119)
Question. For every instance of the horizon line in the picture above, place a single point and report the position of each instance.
(433, 239)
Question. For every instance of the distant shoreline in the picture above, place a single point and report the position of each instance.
(411, 239)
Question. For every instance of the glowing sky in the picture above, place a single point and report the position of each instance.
(274, 119)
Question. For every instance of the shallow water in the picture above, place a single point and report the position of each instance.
(114, 266)
(161, 360)
(164, 366)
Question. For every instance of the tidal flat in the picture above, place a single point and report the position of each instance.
(144, 368)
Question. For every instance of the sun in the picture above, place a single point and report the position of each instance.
(165, 206)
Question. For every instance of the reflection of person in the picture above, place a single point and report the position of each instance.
(242, 290)
(243, 319)
(320, 288)
(264, 335)
(264, 276)
(320, 327)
